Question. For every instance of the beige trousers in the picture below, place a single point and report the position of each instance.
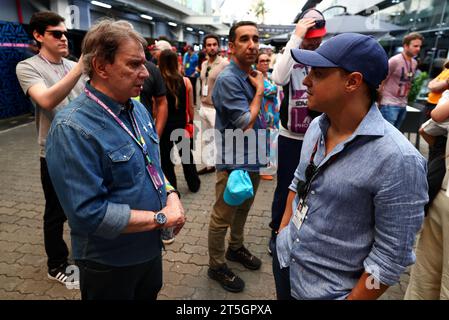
(429, 279)
(224, 216)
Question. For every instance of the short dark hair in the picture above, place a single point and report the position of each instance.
(211, 36)
(235, 26)
(412, 36)
(41, 20)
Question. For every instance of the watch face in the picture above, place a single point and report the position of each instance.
(161, 218)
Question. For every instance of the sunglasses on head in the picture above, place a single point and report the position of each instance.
(58, 34)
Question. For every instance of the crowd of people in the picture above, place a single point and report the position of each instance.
(322, 117)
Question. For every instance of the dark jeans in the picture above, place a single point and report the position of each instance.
(102, 282)
(281, 279)
(289, 151)
(54, 218)
(190, 172)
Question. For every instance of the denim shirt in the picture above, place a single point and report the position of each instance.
(99, 175)
(232, 96)
(364, 210)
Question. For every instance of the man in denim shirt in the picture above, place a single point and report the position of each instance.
(357, 199)
(237, 97)
(103, 158)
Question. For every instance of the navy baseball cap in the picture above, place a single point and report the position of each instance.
(352, 52)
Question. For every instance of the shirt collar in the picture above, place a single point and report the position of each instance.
(115, 107)
(239, 72)
(373, 124)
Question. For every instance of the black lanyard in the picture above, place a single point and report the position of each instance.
(312, 171)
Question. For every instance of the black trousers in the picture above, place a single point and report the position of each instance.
(436, 165)
(193, 81)
(189, 167)
(138, 282)
(281, 279)
(289, 151)
(54, 218)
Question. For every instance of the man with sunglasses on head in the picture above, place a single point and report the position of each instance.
(51, 81)
(294, 115)
(357, 198)
(210, 70)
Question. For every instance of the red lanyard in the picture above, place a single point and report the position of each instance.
(410, 71)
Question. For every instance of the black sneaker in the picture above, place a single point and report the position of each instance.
(228, 280)
(245, 257)
(64, 274)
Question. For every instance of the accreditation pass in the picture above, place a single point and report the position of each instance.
(300, 214)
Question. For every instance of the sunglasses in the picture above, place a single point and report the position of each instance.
(58, 34)
(303, 186)
(319, 24)
(265, 61)
(207, 71)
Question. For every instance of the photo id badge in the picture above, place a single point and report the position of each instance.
(155, 177)
(300, 215)
(205, 90)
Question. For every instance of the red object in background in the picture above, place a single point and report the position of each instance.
(19, 11)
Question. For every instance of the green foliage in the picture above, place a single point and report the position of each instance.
(416, 86)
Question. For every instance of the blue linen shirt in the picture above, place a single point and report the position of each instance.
(99, 175)
(365, 209)
(232, 96)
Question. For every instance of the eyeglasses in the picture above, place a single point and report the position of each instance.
(58, 34)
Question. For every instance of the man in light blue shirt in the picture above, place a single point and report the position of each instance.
(357, 199)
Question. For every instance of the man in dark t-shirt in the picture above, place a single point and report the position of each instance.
(154, 87)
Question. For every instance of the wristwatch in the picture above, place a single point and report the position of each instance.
(175, 191)
(160, 218)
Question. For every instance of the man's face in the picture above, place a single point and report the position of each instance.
(311, 43)
(126, 75)
(211, 47)
(325, 88)
(54, 40)
(246, 45)
(413, 49)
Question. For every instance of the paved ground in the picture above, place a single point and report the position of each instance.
(22, 255)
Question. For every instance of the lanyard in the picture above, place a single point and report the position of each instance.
(54, 69)
(410, 71)
(312, 171)
(139, 140)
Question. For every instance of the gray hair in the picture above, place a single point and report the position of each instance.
(103, 40)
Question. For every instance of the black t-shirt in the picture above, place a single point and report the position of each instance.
(153, 86)
(177, 115)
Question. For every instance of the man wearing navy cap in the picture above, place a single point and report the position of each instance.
(357, 198)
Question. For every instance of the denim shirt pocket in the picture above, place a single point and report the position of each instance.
(124, 166)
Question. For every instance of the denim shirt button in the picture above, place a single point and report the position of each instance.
(297, 240)
(293, 260)
(312, 192)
